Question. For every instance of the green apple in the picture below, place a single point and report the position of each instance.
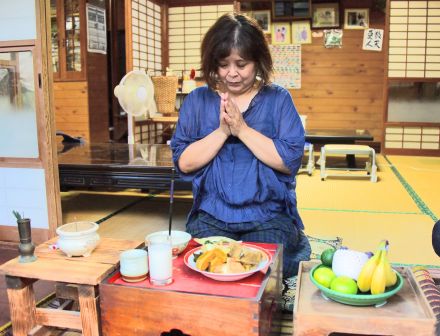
(344, 284)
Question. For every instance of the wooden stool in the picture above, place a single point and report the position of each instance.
(348, 150)
(53, 265)
(406, 313)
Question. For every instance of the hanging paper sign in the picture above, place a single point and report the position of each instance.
(287, 65)
(96, 30)
(373, 39)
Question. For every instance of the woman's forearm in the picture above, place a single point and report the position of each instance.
(201, 152)
(263, 148)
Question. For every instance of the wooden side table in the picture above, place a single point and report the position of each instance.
(54, 265)
(405, 313)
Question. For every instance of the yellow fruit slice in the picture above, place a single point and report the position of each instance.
(203, 261)
(220, 254)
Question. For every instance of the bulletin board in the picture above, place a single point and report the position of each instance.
(287, 65)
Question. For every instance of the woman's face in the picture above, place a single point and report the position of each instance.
(236, 73)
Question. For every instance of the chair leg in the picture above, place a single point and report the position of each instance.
(322, 163)
(311, 162)
(373, 177)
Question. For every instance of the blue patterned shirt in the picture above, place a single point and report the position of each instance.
(235, 186)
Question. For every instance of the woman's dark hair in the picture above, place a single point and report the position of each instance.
(235, 31)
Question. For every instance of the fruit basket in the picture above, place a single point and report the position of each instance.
(360, 299)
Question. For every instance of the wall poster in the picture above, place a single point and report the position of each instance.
(287, 65)
(96, 30)
(373, 39)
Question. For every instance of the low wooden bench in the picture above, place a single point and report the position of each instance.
(370, 166)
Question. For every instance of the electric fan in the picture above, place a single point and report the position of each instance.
(135, 94)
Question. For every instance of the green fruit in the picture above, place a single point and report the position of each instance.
(324, 276)
(327, 257)
(344, 284)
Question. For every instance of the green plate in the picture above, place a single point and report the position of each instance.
(359, 299)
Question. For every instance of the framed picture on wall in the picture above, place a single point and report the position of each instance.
(356, 18)
(325, 15)
(263, 19)
(281, 33)
(301, 32)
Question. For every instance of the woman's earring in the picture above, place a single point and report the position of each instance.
(258, 77)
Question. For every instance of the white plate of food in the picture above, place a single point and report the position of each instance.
(228, 262)
(214, 240)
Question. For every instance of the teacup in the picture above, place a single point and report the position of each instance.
(134, 265)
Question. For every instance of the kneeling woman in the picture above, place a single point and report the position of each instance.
(240, 140)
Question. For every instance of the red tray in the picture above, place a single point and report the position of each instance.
(187, 280)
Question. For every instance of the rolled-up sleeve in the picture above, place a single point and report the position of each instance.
(291, 137)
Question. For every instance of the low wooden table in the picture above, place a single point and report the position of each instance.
(193, 303)
(406, 313)
(54, 265)
(117, 166)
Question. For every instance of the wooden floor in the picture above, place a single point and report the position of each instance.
(401, 207)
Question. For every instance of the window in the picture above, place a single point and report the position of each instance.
(18, 129)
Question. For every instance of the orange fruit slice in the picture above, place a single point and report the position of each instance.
(203, 261)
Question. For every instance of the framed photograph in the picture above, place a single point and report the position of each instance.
(263, 19)
(325, 15)
(301, 32)
(281, 33)
(356, 18)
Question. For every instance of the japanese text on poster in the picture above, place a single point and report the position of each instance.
(287, 65)
(96, 30)
(373, 39)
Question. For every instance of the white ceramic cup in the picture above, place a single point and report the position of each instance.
(134, 265)
(160, 258)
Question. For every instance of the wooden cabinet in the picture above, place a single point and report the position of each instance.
(291, 9)
(68, 33)
(80, 76)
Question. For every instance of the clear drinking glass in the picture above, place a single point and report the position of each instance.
(160, 258)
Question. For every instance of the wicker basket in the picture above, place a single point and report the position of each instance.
(165, 88)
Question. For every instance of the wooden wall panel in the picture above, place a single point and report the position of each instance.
(343, 87)
(71, 108)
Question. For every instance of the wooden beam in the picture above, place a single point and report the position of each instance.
(58, 318)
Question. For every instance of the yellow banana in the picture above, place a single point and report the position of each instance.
(367, 271)
(391, 277)
(379, 279)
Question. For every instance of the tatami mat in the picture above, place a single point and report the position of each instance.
(354, 194)
(149, 215)
(357, 210)
(422, 174)
(409, 235)
(88, 206)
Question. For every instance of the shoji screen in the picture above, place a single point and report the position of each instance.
(414, 44)
(146, 36)
(187, 25)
